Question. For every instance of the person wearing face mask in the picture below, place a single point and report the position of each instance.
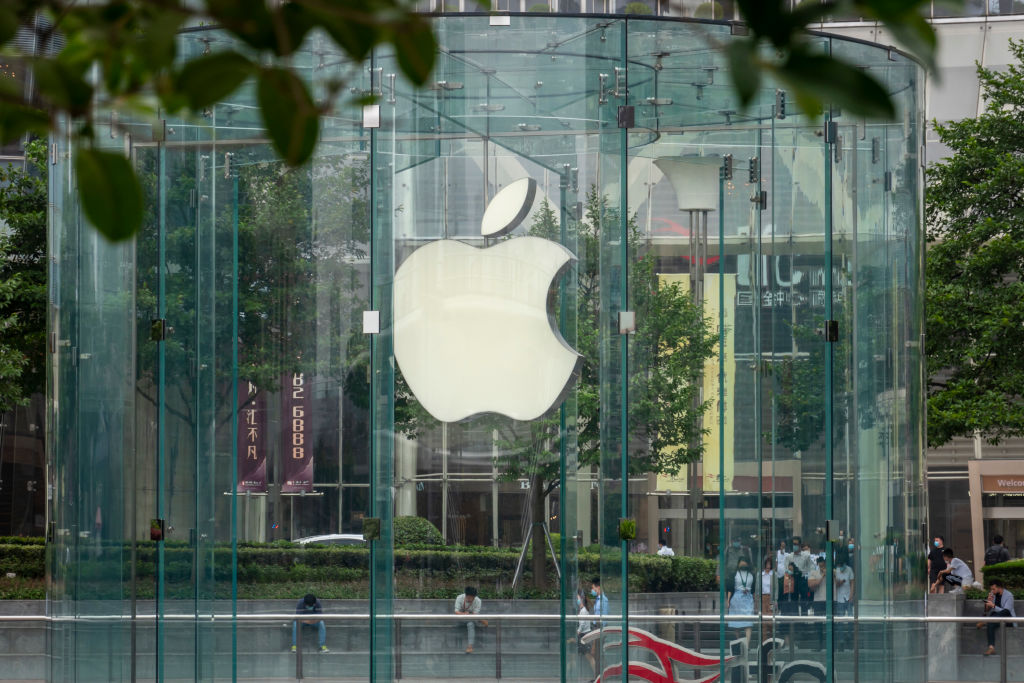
(740, 597)
(792, 586)
(818, 587)
(936, 563)
(843, 597)
(583, 627)
(734, 552)
(600, 609)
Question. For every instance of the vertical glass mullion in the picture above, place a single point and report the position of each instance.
(161, 397)
(624, 359)
(382, 391)
(829, 360)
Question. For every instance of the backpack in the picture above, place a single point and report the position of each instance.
(996, 554)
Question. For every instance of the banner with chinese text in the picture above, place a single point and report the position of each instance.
(252, 448)
(296, 435)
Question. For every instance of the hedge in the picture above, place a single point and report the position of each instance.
(270, 570)
(1010, 573)
(28, 561)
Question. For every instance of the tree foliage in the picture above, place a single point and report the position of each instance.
(122, 55)
(23, 278)
(975, 267)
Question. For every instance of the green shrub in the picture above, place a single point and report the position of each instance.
(539, 7)
(708, 10)
(1010, 573)
(416, 530)
(637, 8)
(27, 561)
(22, 540)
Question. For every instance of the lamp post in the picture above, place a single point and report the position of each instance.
(695, 181)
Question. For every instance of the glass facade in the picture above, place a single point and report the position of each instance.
(743, 291)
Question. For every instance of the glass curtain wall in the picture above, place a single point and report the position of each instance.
(741, 293)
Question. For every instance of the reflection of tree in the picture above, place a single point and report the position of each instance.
(668, 351)
(301, 281)
(23, 277)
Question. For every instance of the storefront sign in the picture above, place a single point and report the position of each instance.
(252, 429)
(1002, 483)
(296, 435)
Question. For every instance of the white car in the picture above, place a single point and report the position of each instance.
(332, 539)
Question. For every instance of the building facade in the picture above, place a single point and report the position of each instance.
(287, 353)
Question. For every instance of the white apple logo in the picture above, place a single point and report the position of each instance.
(472, 332)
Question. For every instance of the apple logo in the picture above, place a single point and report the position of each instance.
(472, 331)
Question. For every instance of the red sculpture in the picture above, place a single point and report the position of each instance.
(666, 652)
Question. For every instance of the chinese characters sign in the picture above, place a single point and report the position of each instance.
(296, 435)
(252, 428)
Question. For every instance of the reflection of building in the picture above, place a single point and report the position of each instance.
(252, 289)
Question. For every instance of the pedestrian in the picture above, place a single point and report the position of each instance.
(936, 563)
(308, 606)
(767, 590)
(664, 550)
(468, 604)
(740, 597)
(818, 586)
(996, 552)
(734, 552)
(584, 627)
(792, 586)
(957, 575)
(843, 597)
(600, 609)
(780, 558)
(1000, 604)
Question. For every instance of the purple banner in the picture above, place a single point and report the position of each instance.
(296, 435)
(252, 447)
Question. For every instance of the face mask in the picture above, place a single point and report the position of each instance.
(744, 567)
(796, 547)
(850, 547)
(936, 544)
(593, 593)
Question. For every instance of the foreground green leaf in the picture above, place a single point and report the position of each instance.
(291, 118)
(825, 79)
(110, 193)
(211, 78)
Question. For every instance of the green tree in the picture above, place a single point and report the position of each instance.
(975, 267)
(122, 55)
(23, 278)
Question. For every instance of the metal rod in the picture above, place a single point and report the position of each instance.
(612, 619)
(298, 648)
(1002, 653)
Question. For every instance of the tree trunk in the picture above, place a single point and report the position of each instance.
(538, 559)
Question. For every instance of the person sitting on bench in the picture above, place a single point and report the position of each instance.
(469, 604)
(309, 606)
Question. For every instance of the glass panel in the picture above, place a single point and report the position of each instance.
(263, 410)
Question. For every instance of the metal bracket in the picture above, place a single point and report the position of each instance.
(378, 88)
(831, 331)
(158, 329)
(602, 92)
(626, 116)
(620, 82)
(831, 131)
(780, 104)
